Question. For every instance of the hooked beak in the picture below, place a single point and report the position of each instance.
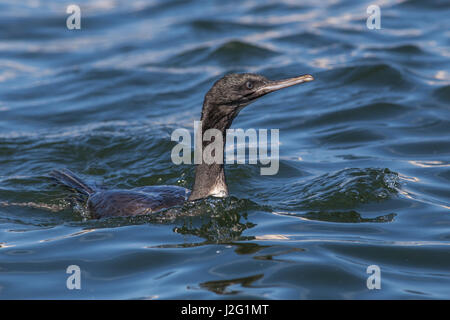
(280, 84)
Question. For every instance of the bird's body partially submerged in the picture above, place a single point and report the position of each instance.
(116, 202)
(223, 102)
(137, 201)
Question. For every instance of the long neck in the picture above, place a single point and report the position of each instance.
(210, 178)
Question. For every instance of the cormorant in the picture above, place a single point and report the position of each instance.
(221, 105)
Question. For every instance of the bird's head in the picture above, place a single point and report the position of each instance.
(234, 91)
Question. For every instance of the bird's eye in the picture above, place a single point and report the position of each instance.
(249, 85)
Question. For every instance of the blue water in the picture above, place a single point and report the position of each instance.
(364, 149)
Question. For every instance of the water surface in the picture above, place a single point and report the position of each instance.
(364, 149)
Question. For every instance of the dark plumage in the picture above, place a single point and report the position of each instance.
(221, 105)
